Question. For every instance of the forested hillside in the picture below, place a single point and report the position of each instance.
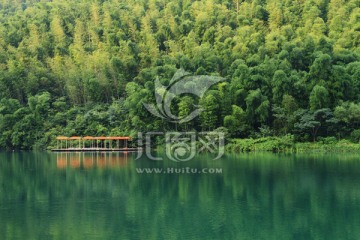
(71, 67)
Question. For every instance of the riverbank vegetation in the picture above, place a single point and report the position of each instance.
(286, 144)
(292, 68)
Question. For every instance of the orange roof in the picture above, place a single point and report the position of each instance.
(75, 138)
(112, 138)
(88, 138)
(92, 138)
(62, 138)
(119, 138)
(100, 138)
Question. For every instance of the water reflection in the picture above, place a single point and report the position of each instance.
(258, 196)
(90, 160)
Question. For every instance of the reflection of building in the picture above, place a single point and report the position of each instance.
(88, 143)
(89, 160)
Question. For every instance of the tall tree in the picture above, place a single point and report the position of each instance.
(319, 98)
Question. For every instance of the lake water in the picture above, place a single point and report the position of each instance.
(248, 196)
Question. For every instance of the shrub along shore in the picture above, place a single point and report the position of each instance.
(287, 144)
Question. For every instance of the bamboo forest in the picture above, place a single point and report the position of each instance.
(291, 68)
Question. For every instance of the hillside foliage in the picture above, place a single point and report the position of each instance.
(86, 67)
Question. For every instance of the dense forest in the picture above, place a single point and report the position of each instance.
(292, 67)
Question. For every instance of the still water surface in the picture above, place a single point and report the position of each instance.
(103, 196)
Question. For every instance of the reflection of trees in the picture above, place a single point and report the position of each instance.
(256, 197)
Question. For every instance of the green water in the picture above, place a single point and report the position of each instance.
(257, 196)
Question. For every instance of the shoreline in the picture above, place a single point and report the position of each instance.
(284, 144)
